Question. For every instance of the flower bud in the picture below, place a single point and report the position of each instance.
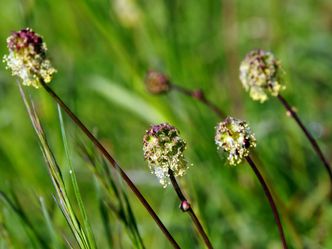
(27, 58)
(185, 206)
(235, 138)
(260, 75)
(163, 150)
(157, 83)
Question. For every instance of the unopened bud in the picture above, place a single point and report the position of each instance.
(185, 206)
(157, 83)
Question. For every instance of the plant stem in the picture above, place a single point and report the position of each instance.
(111, 160)
(186, 207)
(308, 135)
(200, 96)
(270, 199)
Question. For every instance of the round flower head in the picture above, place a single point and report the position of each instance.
(234, 137)
(157, 83)
(27, 58)
(259, 74)
(163, 149)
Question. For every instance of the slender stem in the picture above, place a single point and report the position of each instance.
(115, 165)
(186, 207)
(308, 135)
(270, 199)
(199, 95)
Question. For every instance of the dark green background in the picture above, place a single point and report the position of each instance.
(102, 54)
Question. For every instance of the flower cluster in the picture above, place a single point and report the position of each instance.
(163, 149)
(127, 12)
(157, 83)
(27, 58)
(234, 137)
(259, 74)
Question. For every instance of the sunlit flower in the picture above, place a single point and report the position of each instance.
(163, 150)
(157, 83)
(27, 58)
(235, 138)
(260, 75)
(127, 12)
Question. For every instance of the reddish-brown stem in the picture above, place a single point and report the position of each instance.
(270, 199)
(111, 160)
(199, 95)
(308, 135)
(186, 207)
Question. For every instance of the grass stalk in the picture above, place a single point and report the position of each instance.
(30, 230)
(53, 236)
(82, 239)
(74, 182)
(123, 211)
(5, 240)
(111, 160)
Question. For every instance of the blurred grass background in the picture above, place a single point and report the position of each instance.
(102, 50)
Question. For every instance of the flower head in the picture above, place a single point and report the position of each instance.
(127, 12)
(157, 83)
(163, 149)
(260, 75)
(234, 137)
(27, 58)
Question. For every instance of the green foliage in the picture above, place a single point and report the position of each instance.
(101, 55)
(81, 233)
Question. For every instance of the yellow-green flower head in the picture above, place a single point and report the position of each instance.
(157, 83)
(235, 138)
(27, 58)
(260, 75)
(163, 149)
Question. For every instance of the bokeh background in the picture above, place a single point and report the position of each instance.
(102, 50)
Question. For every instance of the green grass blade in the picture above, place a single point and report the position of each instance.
(126, 99)
(55, 241)
(36, 240)
(77, 193)
(56, 176)
(116, 200)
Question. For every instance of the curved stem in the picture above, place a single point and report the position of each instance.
(270, 199)
(199, 95)
(115, 165)
(308, 135)
(186, 207)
